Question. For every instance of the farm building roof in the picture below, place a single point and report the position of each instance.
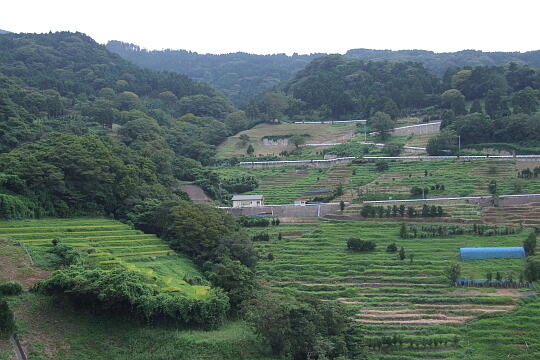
(491, 253)
(247, 197)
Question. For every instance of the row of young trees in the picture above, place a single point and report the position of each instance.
(412, 231)
(369, 210)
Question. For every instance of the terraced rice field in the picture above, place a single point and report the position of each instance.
(419, 140)
(393, 297)
(289, 186)
(107, 242)
(335, 176)
(526, 214)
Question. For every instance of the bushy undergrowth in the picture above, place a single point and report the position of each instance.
(7, 323)
(10, 288)
(249, 221)
(128, 292)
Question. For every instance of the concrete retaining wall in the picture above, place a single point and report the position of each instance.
(482, 201)
(308, 163)
(420, 129)
(347, 160)
(308, 210)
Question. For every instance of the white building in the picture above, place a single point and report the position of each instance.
(247, 200)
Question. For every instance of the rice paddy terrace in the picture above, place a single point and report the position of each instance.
(441, 177)
(410, 299)
(106, 242)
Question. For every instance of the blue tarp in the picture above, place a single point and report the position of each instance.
(317, 191)
(491, 253)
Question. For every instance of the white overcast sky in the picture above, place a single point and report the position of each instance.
(274, 26)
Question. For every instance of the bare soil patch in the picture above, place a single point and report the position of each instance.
(15, 265)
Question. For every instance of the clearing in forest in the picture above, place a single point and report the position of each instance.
(318, 133)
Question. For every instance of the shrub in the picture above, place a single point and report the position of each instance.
(392, 149)
(10, 288)
(261, 237)
(402, 253)
(392, 248)
(453, 272)
(128, 292)
(418, 191)
(240, 184)
(7, 322)
(381, 166)
(63, 255)
(360, 245)
(249, 221)
(530, 244)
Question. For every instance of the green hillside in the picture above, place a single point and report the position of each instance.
(105, 243)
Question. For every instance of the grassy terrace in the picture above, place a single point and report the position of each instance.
(108, 242)
(319, 133)
(281, 185)
(460, 178)
(393, 296)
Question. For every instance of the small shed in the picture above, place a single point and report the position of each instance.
(491, 253)
(247, 200)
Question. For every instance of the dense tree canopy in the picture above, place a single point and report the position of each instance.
(240, 76)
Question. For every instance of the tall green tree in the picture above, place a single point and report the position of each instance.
(454, 100)
(382, 123)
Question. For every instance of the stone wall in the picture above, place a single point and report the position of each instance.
(277, 142)
(347, 160)
(292, 211)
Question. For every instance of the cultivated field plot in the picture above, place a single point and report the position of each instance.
(107, 242)
(394, 297)
(454, 210)
(319, 133)
(281, 185)
(419, 140)
(459, 178)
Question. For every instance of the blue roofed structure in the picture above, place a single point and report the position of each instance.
(491, 253)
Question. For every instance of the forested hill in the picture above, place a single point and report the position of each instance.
(440, 62)
(336, 87)
(4, 31)
(84, 131)
(240, 76)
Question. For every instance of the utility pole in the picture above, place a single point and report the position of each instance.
(459, 145)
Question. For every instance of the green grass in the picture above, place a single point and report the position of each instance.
(281, 185)
(319, 133)
(105, 242)
(64, 333)
(514, 335)
(317, 263)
